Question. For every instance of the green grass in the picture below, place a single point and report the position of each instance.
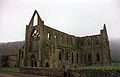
(10, 69)
(115, 66)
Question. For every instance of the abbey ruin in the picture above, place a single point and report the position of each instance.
(50, 48)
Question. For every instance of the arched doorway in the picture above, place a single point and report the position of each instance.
(33, 61)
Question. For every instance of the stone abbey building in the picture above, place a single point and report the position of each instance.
(51, 48)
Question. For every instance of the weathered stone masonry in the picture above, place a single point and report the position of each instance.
(50, 48)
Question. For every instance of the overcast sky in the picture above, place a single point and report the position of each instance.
(75, 17)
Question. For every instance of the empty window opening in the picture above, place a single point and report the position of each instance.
(55, 36)
(60, 56)
(35, 21)
(97, 42)
(71, 41)
(89, 59)
(22, 54)
(33, 61)
(35, 34)
(61, 39)
(72, 58)
(82, 42)
(85, 58)
(64, 67)
(81, 55)
(47, 64)
(67, 40)
(49, 36)
(98, 57)
(66, 55)
(77, 57)
(89, 42)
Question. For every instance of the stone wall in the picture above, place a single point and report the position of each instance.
(43, 71)
(13, 60)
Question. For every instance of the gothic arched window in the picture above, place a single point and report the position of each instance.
(66, 55)
(60, 56)
(72, 58)
(35, 34)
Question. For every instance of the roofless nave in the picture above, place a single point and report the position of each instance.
(48, 47)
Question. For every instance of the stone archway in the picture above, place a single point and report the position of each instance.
(33, 61)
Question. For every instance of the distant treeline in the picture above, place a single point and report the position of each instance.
(115, 49)
(10, 47)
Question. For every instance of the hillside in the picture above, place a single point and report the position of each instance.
(10, 47)
(115, 49)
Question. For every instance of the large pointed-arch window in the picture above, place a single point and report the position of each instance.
(35, 20)
(34, 44)
(35, 34)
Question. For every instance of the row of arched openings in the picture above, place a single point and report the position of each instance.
(90, 58)
(83, 57)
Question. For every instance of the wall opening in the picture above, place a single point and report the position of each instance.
(22, 54)
(97, 57)
(66, 55)
(61, 38)
(72, 58)
(77, 57)
(33, 61)
(60, 56)
(81, 55)
(49, 36)
(35, 21)
(47, 64)
(89, 59)
(35, 34)
(55, 36)
(85, 58)
(89, 42)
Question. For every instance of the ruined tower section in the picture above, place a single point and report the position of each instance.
(33, 41)
(39, 45)
(95, 49)
(105, 49)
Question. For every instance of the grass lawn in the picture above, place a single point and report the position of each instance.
(10, 69)
(114, 66)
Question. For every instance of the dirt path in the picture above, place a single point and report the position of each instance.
(19, 75)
